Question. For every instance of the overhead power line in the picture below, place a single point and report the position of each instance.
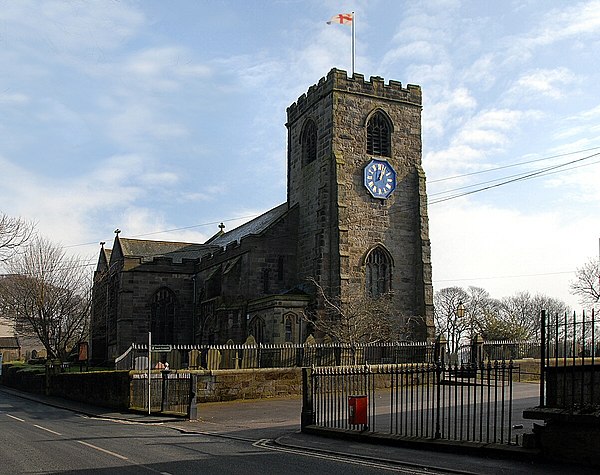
(518, 164)
(492, 184)
(519, 178)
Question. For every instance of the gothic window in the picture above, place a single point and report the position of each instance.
(379, 132)
(290, 323)
(162, 316)
(257, 329)
(309, 142)
(378, 272)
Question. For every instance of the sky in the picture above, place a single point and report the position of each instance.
(164, 119)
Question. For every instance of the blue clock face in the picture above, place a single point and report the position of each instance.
(380, 178)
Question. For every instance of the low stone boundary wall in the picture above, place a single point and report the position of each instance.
(228, 385)
(100, 388)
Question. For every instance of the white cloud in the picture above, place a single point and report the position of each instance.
(163, 68)
(134, 123)
(15, 98)
(482, 72)
(443, 109)
(69, 27)
(551, 83)
(419, 50)
(575, 21)
(495, 248)
(487, 132)
(572, 21)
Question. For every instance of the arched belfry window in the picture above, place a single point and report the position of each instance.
(379, 135)
(162, 316)
(378, 272)
(309, 141)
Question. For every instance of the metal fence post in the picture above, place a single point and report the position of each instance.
(438, 383)
(193, 408)
(308, 413)
(164, 402)
(543, 357)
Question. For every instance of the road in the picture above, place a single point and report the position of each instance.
(247, 438)
(35, 438)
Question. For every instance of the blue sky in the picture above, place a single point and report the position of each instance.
(151, 115)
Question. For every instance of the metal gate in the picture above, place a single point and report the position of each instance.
(466, 402)
(170, 392)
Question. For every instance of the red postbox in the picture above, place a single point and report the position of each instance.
(357, 410)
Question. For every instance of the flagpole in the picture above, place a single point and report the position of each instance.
(353, 40)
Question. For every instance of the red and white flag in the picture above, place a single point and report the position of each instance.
(342, 19)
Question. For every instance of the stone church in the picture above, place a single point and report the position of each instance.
(355, 221)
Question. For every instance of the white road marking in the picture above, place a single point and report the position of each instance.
(47, 430)
(122, 457)
(16, 418)
(265, 444)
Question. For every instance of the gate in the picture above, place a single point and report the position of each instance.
(170, 392)
(466, 402)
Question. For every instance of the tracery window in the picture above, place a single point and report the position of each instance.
(378, 272)
(257, 329)
(379, 131)
(309, 142)
(162, 316)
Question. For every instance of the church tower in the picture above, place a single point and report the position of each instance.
(355, 175)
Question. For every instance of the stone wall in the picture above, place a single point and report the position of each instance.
(137, 290)
(229, 385)
(340, 222)
(100, 388)
(572, 386)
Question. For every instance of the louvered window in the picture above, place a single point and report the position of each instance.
(309, 142)
(379, 136)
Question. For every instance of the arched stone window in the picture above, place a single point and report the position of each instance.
(257, 329)
(378, 272)
(289, 322)
(379, 135)
(162, 316)
(308, 141)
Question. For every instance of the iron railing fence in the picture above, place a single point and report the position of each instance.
(275, 356)
(570, 364)
(469, 402)
(498, 350)
(170, 392)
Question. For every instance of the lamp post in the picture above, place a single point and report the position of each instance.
(460, 314)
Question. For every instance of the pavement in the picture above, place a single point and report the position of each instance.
(278, 422)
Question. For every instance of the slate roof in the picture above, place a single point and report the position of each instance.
(177, 251)
(8, 342)
(256, 226)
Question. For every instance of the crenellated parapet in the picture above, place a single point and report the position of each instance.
(338, 80)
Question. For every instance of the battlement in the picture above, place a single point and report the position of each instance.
(338, 80)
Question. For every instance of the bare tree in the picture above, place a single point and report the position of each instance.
(14, 233)
(361, 320)
(48, 294)
(519, 316)
(587, 283)
(447, 314)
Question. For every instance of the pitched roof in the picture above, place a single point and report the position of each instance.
(147, 250)
(256, 226)
(9, 342)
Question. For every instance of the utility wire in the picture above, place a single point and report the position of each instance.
(520, 178)
(488, 170)
(506, 180)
